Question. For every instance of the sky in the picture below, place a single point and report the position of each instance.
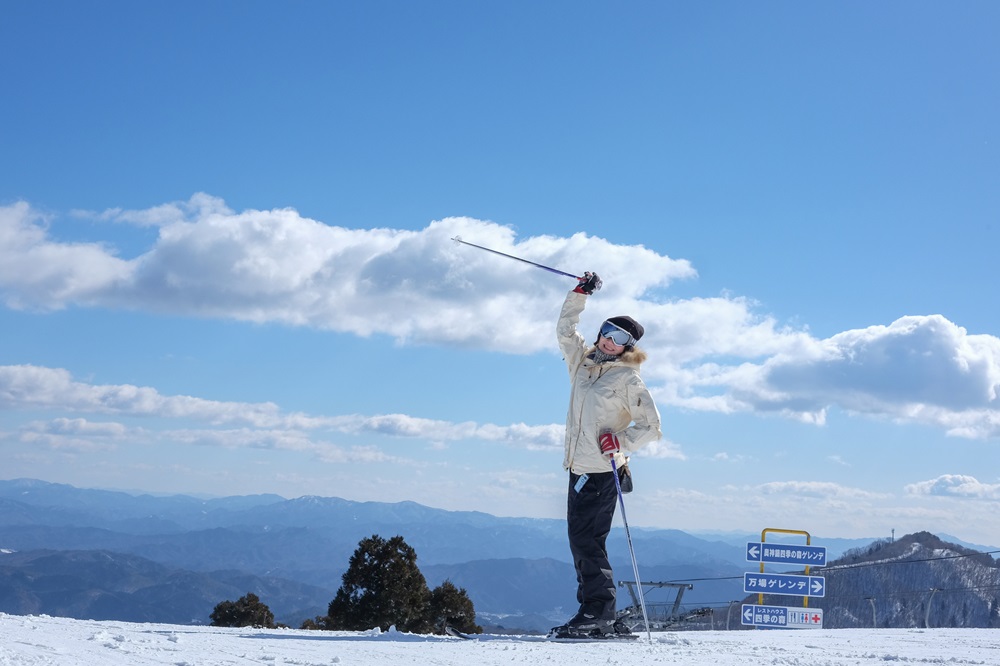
(37, 640)
(226, 264)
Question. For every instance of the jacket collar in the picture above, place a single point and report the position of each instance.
(635, 357)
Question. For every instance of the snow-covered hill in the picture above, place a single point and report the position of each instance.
(43, 640)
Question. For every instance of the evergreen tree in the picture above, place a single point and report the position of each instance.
(382, 587)
(248, 611)
(452, 606)
(315, 623)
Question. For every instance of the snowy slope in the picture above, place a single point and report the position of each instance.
(43, 640)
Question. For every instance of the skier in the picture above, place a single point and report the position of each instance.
(610, 414)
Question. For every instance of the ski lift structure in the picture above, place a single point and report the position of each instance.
(662, 615)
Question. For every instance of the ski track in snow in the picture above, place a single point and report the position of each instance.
(49, 641)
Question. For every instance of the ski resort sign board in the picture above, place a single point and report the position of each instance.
(795, 585)
(782, 617)
(780, 553)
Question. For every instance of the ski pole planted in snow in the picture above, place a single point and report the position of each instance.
(458, 239)
(631, 550)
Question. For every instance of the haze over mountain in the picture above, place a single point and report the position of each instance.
(113, 555)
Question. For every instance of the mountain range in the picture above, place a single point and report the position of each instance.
(99, 554)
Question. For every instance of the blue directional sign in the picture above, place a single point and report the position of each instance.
(781, 553)
(795, 585)
(782, 617)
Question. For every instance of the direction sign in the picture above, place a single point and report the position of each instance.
(780, 553)
(782, 617)
(771, 583)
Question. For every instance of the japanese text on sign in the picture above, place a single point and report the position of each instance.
(785, 554)
(782, 617)
(764, 583)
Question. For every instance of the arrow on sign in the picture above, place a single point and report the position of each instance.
(753, 551)
(817, 586)
(748, 615)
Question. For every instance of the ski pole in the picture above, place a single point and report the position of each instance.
(631, 550)
(458, 239)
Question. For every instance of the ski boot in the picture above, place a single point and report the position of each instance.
(584, 625)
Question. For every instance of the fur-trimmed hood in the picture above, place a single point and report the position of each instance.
(635, 357)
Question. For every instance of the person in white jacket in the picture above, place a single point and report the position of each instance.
(611, 413)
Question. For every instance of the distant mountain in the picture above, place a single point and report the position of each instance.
(102, 585)
(56, 503)
(918, 580)
(516, 570)
(521, 593)
(186, 531)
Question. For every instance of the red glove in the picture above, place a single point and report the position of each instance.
(609, 444)
(589, 283)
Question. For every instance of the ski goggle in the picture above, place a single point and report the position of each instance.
(617, 334)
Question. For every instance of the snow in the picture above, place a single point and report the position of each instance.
(31, 640)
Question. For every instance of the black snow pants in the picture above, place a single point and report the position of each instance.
(590, 509)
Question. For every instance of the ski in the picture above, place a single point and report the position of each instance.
(452, 631)
(561, 634)
(603, 638)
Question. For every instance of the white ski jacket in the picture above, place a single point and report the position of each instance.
(604, 396)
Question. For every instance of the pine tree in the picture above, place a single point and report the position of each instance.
(382, 587)
(452, 606)
(248, 611)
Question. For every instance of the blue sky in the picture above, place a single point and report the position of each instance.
(225, 264)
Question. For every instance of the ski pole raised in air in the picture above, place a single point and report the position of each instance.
(458, 239)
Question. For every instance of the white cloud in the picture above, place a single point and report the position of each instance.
(64, 426)
(816, 489)
(237, 438)
(72, 435)
(277, 266)
(823, 509)
(38, 273)
(661, 449)
(400, 425)
(921, 369)
(29, 386)
(198, 206)
(955, 485)
(725, 457)
(418, 287)
(262, 425)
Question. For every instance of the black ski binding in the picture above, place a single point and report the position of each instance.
(567, 632)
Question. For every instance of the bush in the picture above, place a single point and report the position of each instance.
(248, 611)
(452, 606)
